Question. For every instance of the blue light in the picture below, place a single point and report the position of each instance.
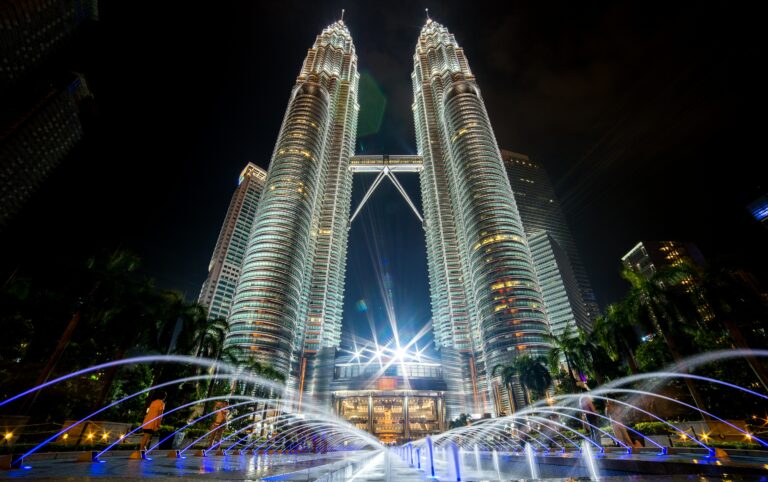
(759, 208)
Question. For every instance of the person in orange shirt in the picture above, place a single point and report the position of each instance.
(219, 420)
(152, 420)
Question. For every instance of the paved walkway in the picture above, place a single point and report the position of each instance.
(213, 468)
(380, 466)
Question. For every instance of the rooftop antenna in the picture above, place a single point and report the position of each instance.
(429, 19)
(342, 15)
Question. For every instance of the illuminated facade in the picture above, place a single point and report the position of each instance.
(486, 303)
(224, 268)
(648, 257)
(540, 212)
(288, 303)
(558, 283)
(392, 399)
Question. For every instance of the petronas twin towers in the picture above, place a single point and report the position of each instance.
(486, 305)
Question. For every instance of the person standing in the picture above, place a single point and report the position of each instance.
(151, 423)
(219, 420)
(590, 417)
(614, 412)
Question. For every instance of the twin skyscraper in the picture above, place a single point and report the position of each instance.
(487, 306)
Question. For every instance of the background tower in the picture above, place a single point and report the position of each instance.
(540, 211)
(224, 268)
(486, 302)
(558, 284)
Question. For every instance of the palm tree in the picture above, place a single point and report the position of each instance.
(651, 302)
(211, 339)
(614, 332)
(567, 347)
(530, 372)
(264, 391)
(508, 375)
(96, 287)
(735, 306)
(231, 356)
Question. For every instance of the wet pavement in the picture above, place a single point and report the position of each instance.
(211, 468)
(385, 466)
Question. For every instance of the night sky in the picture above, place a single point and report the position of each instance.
(648, 119)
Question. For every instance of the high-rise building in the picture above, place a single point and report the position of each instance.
(288, 303)
(541, 212)
(32, 30)
(40, 119)
(559, 286)
(224, 268)
(35, 140)
(486, 304)
(648, 257)
(485, 299)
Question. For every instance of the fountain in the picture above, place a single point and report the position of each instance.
(589, 458)
(495, 455)
(279, 434)
(530, 457)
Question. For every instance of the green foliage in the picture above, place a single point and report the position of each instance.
(689, 310)
(653, 355)
(75, 315)
(652, 428)
(129, 380)
(723, 444)
(530, 372)
(461, 421)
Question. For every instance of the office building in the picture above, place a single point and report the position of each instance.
(224, 268)
(541, 212)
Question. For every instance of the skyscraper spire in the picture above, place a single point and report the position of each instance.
(429, 19)
(342, 16)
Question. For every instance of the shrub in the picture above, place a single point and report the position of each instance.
(652, 428)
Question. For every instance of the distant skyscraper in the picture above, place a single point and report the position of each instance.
(540, 211)
(34, 141)
(32, 30)
(224, 268)
(40, 118)
(558, 283)
(648, 257)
